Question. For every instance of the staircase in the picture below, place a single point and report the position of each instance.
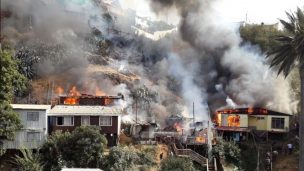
(191, 154)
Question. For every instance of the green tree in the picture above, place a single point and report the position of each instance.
(50, 151)
(261, 35)
(28, 162)
(121, 158)
(83, 148)
(9, 122)
(177, 164)
(126, 158)
(11, 81)
(143, 97)
(286, 54)
(229, 151)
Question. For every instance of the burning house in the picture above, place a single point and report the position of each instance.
(185, 131)
(83, 109)
(237, 123)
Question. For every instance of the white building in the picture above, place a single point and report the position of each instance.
(34, 131)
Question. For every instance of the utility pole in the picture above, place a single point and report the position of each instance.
(271, 158)
(136, 110)
(209, 136)
(193, 115)
(52, 92)
(258, 163)
(48, 92)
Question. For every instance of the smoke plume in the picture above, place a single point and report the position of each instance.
(242, 71)
(202, 63)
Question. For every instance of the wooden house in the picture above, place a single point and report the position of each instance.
(34, 131)
(237, 123)
(68, 117)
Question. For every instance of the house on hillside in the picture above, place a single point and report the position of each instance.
(34, 132)
(237, 123)
(102, 111)
(154, 30)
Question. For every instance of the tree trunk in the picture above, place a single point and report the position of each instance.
(301, 122)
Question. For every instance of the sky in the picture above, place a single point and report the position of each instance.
(257, 11)
(267, 11)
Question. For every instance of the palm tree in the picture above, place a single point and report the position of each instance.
(29, 161)
(286, 55)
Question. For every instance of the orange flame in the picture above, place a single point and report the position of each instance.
(218, 119)
(178, 127)
(74, 92)
(71, 100)
(99, 92)
(200, 139)
(250, 110)
(233, 120)
(59, 90)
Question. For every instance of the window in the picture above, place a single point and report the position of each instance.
(65, 121)
(105, 121)
(85, 120)
(33, 136)
(277, 123)
(32, 116)
(260, 118)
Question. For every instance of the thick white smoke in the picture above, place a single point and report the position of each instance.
(190, 92)
(243, 71)
(202, 63)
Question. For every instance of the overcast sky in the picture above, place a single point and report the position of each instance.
(267, 11)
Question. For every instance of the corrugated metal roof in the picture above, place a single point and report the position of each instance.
(84, 110)
(31, 106)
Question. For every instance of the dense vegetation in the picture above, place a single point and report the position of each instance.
(28, 161)
(177, 164)
(286, 55)
(127, 158)
(228, 151)
(11, 83)
(261, 35)
(81, 148)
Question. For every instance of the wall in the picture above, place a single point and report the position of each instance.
(286, 126)
(94, 120)
(20, 140)
(265, 124)
(111, 132)
(258, 124)
(243, 120)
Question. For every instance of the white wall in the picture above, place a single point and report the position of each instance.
(21, 139)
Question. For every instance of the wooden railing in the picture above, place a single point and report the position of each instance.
(191, 154)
